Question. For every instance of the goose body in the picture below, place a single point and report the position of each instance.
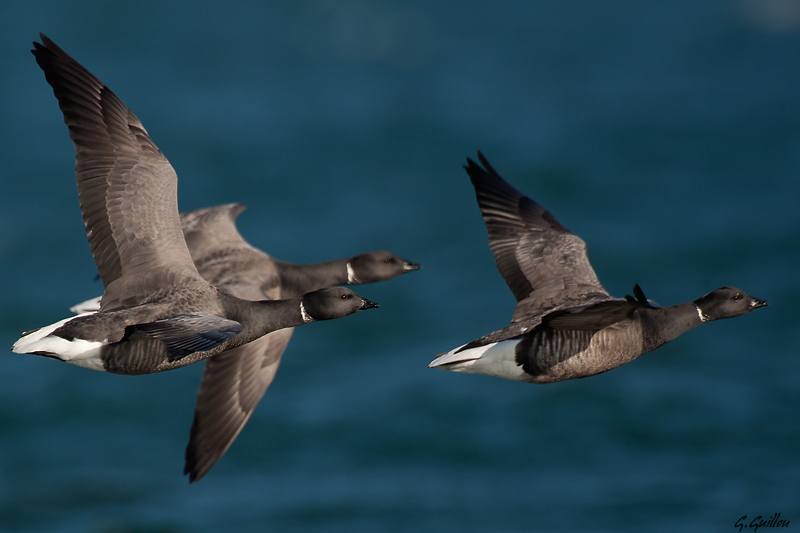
(159, 336)
(565, 325)
(157, 313)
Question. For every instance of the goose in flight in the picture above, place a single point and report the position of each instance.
(157, 313)
(565, 325)
(235, 380)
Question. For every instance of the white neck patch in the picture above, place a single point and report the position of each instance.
(351, 274)
(701, 314)
(306, 317)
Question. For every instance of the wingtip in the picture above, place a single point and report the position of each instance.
(484, 162)
(46, 43)
(475, 171)
(37, 47)
(482, 170)
(237, 209)
(191, 467)
(197, 467)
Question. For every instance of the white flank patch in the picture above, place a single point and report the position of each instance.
(77, 351)
(306, 317)
(89, 306)
(495, 359)
(351, 274)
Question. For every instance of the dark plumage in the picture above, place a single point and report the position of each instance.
(234, 381)
(565, 325)
(157, 312)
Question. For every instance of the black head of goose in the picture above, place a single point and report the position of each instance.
(157, 312)
(565, 325)
(235, 381)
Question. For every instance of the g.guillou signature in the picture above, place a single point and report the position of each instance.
(757, 522)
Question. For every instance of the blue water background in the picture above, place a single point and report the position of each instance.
(665, 134)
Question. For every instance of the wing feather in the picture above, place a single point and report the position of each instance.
(126, 187)
(209, 229)
(233, 383)
(543, 263)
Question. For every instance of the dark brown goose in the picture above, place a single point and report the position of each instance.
(565, 325)
(157, 313)
(235, 380)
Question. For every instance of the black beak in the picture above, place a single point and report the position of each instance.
(759, 303)
(409, 266)
(366, 304)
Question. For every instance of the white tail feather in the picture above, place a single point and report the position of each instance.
(89, 306)
(77, 351)
(495, 359)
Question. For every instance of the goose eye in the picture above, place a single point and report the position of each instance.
(387, 260)
(345, 296)
(737, 296)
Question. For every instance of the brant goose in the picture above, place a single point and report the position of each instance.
(157, 312)
(235, 380)
(565, 325)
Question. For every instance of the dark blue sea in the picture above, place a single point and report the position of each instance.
(665, 134)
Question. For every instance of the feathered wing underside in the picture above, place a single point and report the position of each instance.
(233, 384)
(543, 263)
(127, 188)
(210, 228)
(234, 381)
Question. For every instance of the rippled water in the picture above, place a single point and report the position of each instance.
(667, 136)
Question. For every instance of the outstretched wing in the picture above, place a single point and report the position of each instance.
(544, 264)
(126, 187)
(212, 228)
(233, 383)
(235, 380)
